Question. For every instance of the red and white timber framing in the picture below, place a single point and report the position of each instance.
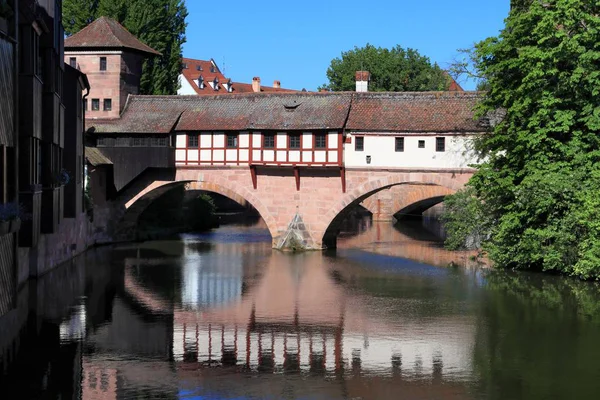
(319, 149)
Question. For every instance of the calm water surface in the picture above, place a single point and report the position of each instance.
(390, 315)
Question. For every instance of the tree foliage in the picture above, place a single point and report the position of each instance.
(158, 23)
(395, 69)
(540, 183)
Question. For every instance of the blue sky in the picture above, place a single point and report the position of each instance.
(294, 41)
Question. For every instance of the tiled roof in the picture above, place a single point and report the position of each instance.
(143, 114)
(106, 33)
(268, 112)
(192, 69)
(414, 112)
(162, 114)
(397, 112)
(95, 156)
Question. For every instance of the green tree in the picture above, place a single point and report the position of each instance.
(158, 23)
(77, 14)
(540, 182)
(395, 69)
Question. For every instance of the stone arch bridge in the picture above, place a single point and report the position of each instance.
(317, 201)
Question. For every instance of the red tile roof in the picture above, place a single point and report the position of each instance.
(427, 112)
(106, 33)
(414, 112)
(191, 73)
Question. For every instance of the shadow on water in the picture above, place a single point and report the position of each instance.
(220, 315)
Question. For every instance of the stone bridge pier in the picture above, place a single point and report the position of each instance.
(316, 200)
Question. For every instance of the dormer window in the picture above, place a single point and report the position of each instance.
(184, 66)
(214, 84)
(213, 69)
(200, 82)
(198, 67)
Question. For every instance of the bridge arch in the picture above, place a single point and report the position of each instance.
(404, 200)
(135, 205)
(429, 184)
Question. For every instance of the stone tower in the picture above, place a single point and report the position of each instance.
(112, 59)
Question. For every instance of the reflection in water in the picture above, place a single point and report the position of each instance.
(222, 316)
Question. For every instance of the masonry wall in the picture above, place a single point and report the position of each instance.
(104, 84)
(74, 236)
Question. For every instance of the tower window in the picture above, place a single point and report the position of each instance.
(95, 104)
(440, 144)
(359, 144)
(399, 144)
(107, 104)
(73, 62)
(102, 63)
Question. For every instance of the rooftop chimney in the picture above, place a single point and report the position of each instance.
(276, 84)
(256, 84)
(362, 81)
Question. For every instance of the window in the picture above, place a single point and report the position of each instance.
(85, 106)
(294, 141)
(232, 140)
(320, 141)
(193, 140)
(440, 144)
(73, 62)
(102, 63)
(269, 141)
(399, 144)
(421, 144)
(123, 141)
(359, 143)
(107, 104)
(137, 142)
(95, 104)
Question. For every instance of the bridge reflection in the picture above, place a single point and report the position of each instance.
(300, 319)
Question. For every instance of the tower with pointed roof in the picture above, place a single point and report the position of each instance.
(112, 59)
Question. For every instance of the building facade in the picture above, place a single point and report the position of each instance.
(41, 126)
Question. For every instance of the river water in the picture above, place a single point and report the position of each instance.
(389, 315)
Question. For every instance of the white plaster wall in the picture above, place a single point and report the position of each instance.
(205, 141)
(205, 155)
(332, 140)
(281, 139)
(244, 139)
(458, 154)
(256, 139)
(231, 155)
(181, 141)
(179, 155)
(192, 155)
(307, 140)
(185, 88)
(219, 139)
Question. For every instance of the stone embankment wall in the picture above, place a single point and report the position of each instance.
(74, 236)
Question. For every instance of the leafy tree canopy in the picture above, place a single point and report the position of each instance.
(395, 69)
(540, 182)
(158, 23)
